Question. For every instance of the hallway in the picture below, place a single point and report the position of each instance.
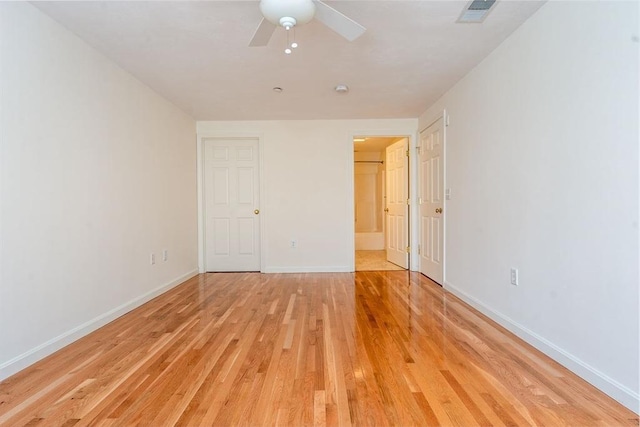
(374, 261)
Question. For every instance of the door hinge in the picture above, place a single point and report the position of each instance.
(408, 201)
(418, 249)
(418, 149)
(408, 249)
(407, 153)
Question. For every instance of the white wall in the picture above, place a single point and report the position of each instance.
(97, 172)
(300, 199)
(542, 161)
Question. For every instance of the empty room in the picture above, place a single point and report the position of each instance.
(304, 212)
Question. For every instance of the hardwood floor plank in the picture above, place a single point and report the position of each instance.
(370, 348)
(29, 400)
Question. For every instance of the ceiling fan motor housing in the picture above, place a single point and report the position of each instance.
(301, 11)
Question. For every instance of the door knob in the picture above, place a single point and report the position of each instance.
(386, 209)
(438, 210)
(257, 211)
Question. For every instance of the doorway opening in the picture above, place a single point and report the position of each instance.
(381, 201)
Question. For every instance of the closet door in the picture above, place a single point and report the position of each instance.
(232, 205)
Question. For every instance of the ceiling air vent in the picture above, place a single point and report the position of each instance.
(476, 11)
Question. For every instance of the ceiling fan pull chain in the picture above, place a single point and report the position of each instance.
(287, 49)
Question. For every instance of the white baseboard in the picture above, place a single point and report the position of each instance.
(20, 362)
(340, 269)
(608, 385)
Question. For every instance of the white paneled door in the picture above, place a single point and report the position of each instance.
(232, 205)
(397, 195)
(431, 189)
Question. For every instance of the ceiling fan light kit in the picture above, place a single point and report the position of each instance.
(281, 12)
(288, 22)
(291, 13)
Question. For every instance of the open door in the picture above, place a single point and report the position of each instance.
(397, 207)
(431, 202)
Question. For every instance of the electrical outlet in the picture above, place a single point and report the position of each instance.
(152, 258)
(294, 243)
(514, 276)
(165, 255)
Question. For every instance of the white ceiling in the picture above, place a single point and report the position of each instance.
(196, 55)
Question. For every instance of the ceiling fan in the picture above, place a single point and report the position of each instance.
(289, 13)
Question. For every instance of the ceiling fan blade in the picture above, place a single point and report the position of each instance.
(263, 34)
(341, 24)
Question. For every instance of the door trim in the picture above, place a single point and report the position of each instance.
(445, 125)
(413, 238)
(201, 137)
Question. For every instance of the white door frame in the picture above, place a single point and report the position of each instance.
(201, 138)
(350, 239)
(445, 124)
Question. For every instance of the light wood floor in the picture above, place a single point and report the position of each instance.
(374, 261)
(371, 348)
